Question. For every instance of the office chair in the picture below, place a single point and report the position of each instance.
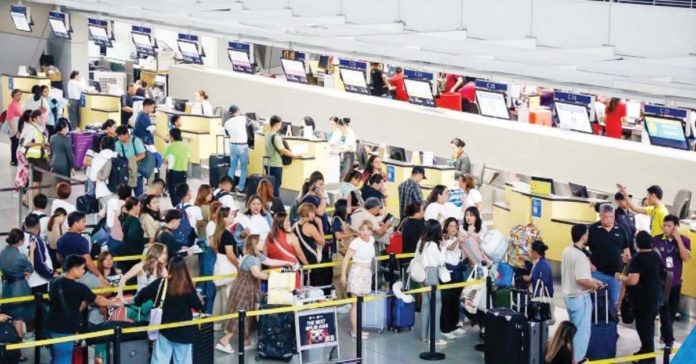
(682, 202)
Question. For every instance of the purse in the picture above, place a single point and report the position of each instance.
(416, 269)
(156, 311)
(223, 266)
(444, 274)
(541, 307)
(472, 295)
(396, 241)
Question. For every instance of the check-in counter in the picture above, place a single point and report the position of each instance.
(22, 83)
(553, 215)
(316, 159)
(398, 172)
(203, 133)
(438, 175)
(98, 108)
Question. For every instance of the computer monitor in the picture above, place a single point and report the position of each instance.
(96, 85)
(666, 132)
(633, 109)
(143, 44)
(397, 154)
(240, 60)
(492, 104)
(578, 190)
(251, 115)
(189, 51)
(324, 62)
(295, 130)
(354, 81)
(20, 18)
(542, 186)
(573, 117)
(284, 127)
(180, 104)
(58, 24)
(99, 35)
(294, 70)
(419, 92)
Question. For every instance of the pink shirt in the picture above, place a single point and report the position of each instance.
(14, 110)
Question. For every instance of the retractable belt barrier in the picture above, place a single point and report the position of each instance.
(632, 358)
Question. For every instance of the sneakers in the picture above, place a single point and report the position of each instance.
(239, 193)
(224, 348)
(449, 335)
(459, 332)
(364, 335)
(440, 343)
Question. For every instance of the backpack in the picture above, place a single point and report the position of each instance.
(118, 174)
(185, 234)
(219, 195)
(285, 159)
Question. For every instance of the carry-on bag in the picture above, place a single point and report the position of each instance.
(375, 312)
(603, 332)
(506, 337)
(276, 335)
(81, 143)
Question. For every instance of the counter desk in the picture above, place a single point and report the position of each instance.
(96, 108)
(398, 172)
(202, 133)
(22, 83)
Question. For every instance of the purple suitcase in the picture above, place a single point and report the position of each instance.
(81, 142)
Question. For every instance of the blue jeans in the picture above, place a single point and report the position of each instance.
(207, 265)
(139, 187)
(89, 187)
(276, 172)
(165, 349)
(614, 288)
(61, 353)
(239, 153)
(580, 313)
(426, 319)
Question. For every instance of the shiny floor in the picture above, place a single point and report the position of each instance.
(385, 347)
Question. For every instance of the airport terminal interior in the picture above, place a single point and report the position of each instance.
(546, 148)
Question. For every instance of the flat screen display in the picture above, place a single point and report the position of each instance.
(294, 70)
(354, 81)
(99, 35)
(492, 104)
(189, 51)
(419, 92)
(240, 60)
(573, 117)
(666, 132)
(143, 44)
(59, 28)
(20, 21)
(633, 109)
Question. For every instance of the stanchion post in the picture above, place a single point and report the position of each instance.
(666, 354)
(38, 327)
(432, 355)
(240, 332)
(20, 191)
(3, 352)
(358, 330)
(117, 346)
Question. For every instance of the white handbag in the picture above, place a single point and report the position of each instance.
(416, 269)
(444, 274)
(474, 294)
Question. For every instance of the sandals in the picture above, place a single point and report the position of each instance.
(364, 335)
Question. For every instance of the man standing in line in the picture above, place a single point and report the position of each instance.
(274, 149)
(235, 129)
(409, 190)
(577, 283)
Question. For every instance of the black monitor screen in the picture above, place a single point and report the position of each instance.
(324, 62)
(578, 190)
(284, 127)
(666, 132)
(397, 154)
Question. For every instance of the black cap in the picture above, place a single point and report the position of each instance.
(419, 170)
(233, 109)
(620, 196)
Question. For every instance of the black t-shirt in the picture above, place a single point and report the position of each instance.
(126, 100)
(369, 191)
(563, 356)
(227, 239)
(607, 247)
(378, 86)
(173, 246)
(64, 313)
(411, 231)
(647, 294)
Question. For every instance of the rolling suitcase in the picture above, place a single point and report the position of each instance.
(252, 183)
(203, 344)
(276, 335)
(506, 337)
(81, 142)
(603, 332)
(402, 315)
(538, 337)
(219, 164)
(375, 312)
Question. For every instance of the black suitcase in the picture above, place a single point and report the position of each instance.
(276, 336)
(252, 183)
(219, 164)
(204, 344)
(506, 337)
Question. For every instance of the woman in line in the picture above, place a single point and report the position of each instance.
(541, 270)
(451, 238)
(152, 267)
(315, 194)
(178, 297)
(471, 195)
(108, 131)
(99, 170)
(203, 198)
(202, 106)
(35, 144)
(342, 236)
(255, 220)
(222, 244)
(429, 248)
(105, 265)
(16, 269)
(20, 154)
(308, 232)
(560, 350)
(245, 289)
(283, 245)
(134, 239)
(437, 206)
(61, 150)
(150, 218)
(113, 210)
(270, 202)
(473, 231)
(350, 192)
(63, 192)
(38, 101)
(373, 166)
(14, 113)
(359, 283)
(55, 229)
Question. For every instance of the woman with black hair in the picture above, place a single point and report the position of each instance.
(349, 191)
(61, 150)
(38, 100)
(433, 259)
(373, 166)
(541, 270)
(348, 146)
(343, 235)
(22, 176)
(559, 349)
(451, 240)
(460, 160)
(34, 143)
(473, 230)
(309, 128)
(438, 207)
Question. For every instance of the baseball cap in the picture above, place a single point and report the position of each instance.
(233, 109)
(419, 170)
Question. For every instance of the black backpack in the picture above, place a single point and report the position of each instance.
(118, 174)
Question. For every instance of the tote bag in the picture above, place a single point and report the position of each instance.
(156, 312)
(223, 266)
(473, 295)
(416, 269)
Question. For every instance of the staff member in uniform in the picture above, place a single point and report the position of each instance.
(202, 106)
(75, 89)
(655, 208)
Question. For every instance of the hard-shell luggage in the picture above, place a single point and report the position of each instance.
(402, 315)
(538, 337)
(252, 183)
(375, 312)
(603, 332)
(495, 245)
(81, 142)
(521, 239)
(203, 344)
(506, 337)
(219, 164)
(87, 204)
(276, 335)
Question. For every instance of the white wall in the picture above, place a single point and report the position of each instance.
(315, 8)
(431, 15)
(572, 23)
(509, 146)
(265, 4)
(497, 19)
(370, 11)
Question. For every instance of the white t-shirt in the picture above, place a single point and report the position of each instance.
(43, 223)
(210, 229)
(64, 204)
(227, 200)
(432, 255)
(364, 250)
(235, 128)
(452, 257)
(350, 142)
(441, 212)
(471, 198)
(113, 209)
(75, 89)
(202, 108)
(257, 224)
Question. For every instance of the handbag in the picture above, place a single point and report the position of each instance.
(280, 288)
(223, 266)
(156, 311)
(396, 241)
(472, 295)
(541, 307)
(285, 159)
(5, 128)
(416, 269)
(506, 274)
(8, 333)
(444, 274)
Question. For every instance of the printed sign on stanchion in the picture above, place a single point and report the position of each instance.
(316, 329)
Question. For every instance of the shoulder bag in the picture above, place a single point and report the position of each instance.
(156, 312)
(286, 160)
(416, 269)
